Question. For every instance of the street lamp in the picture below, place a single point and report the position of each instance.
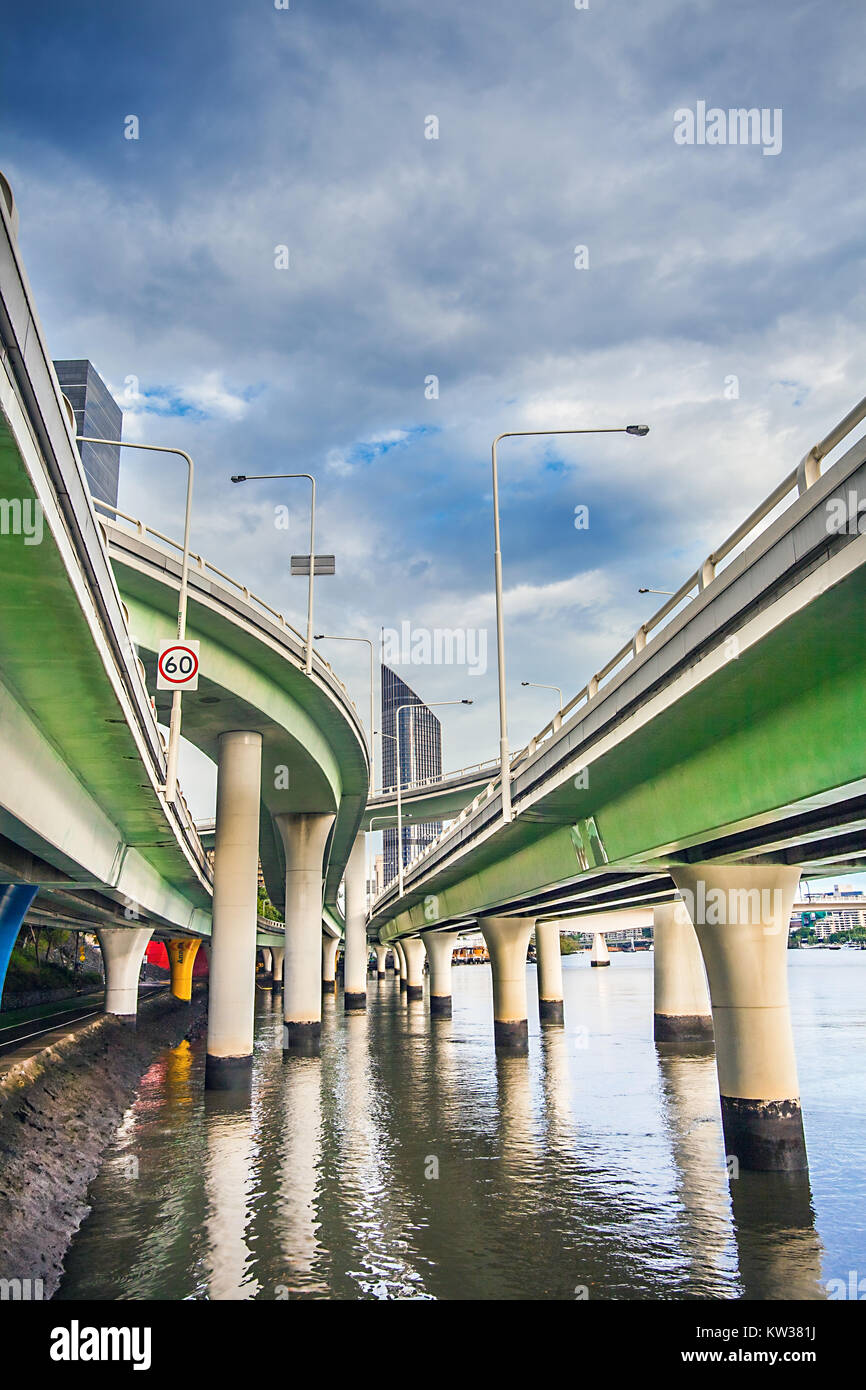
(170, 787)
(399, 710)
(539, 685)
(504, 760)
(251, 477)
(669, 592)
(372, 859)
(330, 637)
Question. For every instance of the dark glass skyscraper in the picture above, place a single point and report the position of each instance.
(97, 414)
(420, 758)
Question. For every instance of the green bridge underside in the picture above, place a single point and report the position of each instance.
(312, 757)
(746, 766)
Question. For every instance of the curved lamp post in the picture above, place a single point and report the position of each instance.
(504, 760)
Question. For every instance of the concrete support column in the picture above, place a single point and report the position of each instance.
(277, 954)
(599, 954)
(181, 959)
(355, 969)
(395, 960)
(232, 983)
(413, 950)
(381, 956)
(507, 939)
(741, 914)
(401, 956)
(439, 946)
(549, 956)
(681, 1001)
(304, 835)
(330, 946)
(122, 953)
(15, 902)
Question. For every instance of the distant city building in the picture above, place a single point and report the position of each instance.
(420, 759)
(96, 414)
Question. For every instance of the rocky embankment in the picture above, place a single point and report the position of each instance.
(59, 1111)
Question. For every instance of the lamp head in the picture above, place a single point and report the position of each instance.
(643, 591)
(524, 682)
(466, 702)
(239, 477)
(637, 429)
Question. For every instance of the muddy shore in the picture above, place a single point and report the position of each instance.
(59, 1112)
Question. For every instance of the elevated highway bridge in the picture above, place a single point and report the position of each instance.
(714, 761)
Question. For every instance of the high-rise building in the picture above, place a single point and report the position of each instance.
(97, 414)
(420, 759)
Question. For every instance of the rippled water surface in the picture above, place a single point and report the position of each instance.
(409, 1161)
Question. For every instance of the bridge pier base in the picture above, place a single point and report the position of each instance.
(277, 954)
(15, 902)
(355, 972)
(741, 914)
(330, 946)
(181, 959)
(122, 952)
(507, 939)
(681, 1001)
(381, 957)
(413, 950)
(549, 955)
(232, 981)
(599, 954)
(439, 946)
(304, 835)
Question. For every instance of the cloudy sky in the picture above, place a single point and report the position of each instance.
(719, 297)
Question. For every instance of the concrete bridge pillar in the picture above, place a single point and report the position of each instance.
(232, 978)
(507, 939)
(304, 835)
(681, 1001)
(413, 951)
(330, 946)
(181, 959)
(355, 971)
(599, 954)
(741, 914)
(401, 956)
(381, 957)
(267, 964)
(15, 903)
(122, 953)
(549, 955)
(439, 946)
(395, 960)
(277, 954)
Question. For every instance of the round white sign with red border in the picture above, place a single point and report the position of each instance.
(177, 666)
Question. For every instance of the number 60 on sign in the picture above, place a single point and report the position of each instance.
(177, 667)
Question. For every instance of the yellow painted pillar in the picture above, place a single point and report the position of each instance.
(181, 956)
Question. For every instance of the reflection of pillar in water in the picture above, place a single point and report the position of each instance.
(779, 1249)
(556, 1082)
(296, 1216)
(690, 1109)
(228, 1186)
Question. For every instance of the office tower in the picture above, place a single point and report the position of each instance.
(420, 759)
(96, 414)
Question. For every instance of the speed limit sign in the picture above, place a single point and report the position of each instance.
(177, 668)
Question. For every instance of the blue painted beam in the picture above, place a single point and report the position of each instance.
(15, 900)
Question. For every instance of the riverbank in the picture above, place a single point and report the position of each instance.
(59, 1111)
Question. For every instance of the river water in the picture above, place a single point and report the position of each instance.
(408, 1161)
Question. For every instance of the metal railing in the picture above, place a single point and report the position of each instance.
(203, 566)
(807, 472)
(443, 781)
